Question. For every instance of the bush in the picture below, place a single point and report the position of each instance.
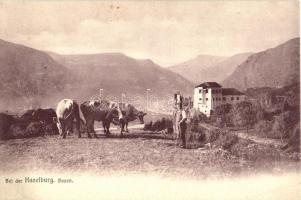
(197, 115)
(195, 135)
(34, 129)
(263, 128)
(244, 115)
(226, 141)
(284, 124)
(194, 139)
(148, 126)
(293, 143)
(221, 115)
(159, 125)
(5, 123)
(223, 109)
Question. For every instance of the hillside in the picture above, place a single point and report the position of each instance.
(117, 73)
(222, 70)
(194, 69)
(275, 67)
(29, 77)
(27, 72)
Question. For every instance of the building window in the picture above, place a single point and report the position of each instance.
(224, 98)
(200, 90)
(213, 99)
(237, 98)
(232, 98)
(200, 99)
(206, 99)
(206, 90)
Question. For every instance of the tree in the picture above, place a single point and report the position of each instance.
(284, 124)
(264, 127)
(220, 115)
(244, 115)
(279, 128)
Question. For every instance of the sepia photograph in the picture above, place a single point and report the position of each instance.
(173, 100)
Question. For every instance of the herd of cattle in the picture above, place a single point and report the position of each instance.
(66, 115)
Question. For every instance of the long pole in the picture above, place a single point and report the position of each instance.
(100, 92)
(122, 95)
(147, 90)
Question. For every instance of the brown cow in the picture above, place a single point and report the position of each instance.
(99, 111)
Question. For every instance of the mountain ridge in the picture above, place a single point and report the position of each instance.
(192, 69)
(275, 67)
(140, 73)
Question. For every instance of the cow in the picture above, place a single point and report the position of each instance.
(67, 110)
(104, 111)
(130, 113)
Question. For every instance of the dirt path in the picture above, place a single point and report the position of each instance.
(259, 140)
(265, 141)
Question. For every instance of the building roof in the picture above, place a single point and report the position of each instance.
(209, 85)
(231, 91)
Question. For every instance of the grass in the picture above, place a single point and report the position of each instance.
(137, 152)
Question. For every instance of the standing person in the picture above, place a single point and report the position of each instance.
(180, 121)
(183, 127)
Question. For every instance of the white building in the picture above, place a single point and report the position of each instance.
(209, 95)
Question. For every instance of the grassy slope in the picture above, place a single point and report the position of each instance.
(138, 152)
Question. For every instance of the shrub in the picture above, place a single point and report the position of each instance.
(194, 139)
(160, 125)
(213, 135)
(226, 141)
(197, 115)
(5, 123)
(195, 135)
(293, 144)
(263, 127)
(34, 129)
(284, 124)
(148, 126)
(244, 115)
(221, 115)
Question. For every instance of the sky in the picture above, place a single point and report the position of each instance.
(166, 32)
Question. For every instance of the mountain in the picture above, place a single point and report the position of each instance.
(27, 72)
(194, 69)
(223, 69)
(29, 77)
(117, 73)
(275, 67)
